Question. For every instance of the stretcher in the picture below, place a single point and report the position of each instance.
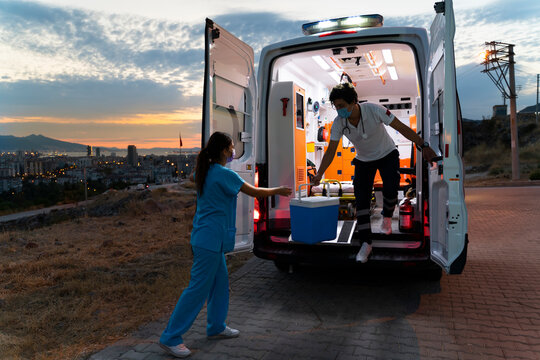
(345, 191)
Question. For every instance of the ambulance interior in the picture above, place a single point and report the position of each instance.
(382, 73)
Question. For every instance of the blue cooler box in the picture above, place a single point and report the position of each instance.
(314, 219)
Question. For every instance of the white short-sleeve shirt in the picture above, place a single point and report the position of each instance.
(376, 143)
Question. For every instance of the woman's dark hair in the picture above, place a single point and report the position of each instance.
(210, 154)
(345, 91)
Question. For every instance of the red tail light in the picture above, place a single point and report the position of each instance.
(256, 212)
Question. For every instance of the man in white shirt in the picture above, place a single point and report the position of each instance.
(363, 124)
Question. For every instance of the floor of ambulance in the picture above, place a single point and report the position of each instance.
(345, 230)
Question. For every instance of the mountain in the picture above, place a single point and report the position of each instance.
(44, 144)
(529, 110)
(37, 143)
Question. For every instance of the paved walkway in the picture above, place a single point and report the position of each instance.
(491, 311)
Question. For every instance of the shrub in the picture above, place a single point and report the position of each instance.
(496, 170)
(535, 175)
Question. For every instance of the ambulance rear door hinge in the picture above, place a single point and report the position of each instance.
(215, 34)
(244, 136)
(439, 7)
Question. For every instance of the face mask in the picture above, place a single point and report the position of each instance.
(344, 113)
(229, 159)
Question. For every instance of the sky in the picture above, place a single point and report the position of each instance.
(118, 72)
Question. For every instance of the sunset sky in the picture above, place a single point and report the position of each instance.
(112, 73)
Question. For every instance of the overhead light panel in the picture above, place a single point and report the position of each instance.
(387, 55)
(319, 60)
(335, 76)
(392, 72)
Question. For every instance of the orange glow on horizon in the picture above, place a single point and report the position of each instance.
(186, 115)
(187, 142)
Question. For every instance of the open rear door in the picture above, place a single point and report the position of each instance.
(229, 105)
(447, 211)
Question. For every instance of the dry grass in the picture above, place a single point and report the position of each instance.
(70, 289)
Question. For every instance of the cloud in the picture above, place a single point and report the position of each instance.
(89, 98)
(108, 46)
(72, 63)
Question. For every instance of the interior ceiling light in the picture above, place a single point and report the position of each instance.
(392, 72)
(335, 76)
(319, 60)
(387, 55)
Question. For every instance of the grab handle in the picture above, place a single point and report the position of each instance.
(300, 192)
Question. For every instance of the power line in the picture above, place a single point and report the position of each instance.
(499, 66)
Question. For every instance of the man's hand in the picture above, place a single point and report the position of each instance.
(316, 179)
(428, 154)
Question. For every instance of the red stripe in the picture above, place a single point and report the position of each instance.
(388, 112)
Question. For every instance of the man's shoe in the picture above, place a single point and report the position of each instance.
(228, 333)
(179, 351)
(386, 226)
(364, 252)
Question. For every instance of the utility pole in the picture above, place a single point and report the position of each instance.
(536, 111)
(499, 62)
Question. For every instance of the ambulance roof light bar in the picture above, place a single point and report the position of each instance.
(339, 24)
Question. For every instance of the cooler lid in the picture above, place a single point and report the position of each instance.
(314, 201)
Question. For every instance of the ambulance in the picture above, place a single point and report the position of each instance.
(280, 122)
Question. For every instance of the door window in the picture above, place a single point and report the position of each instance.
(229, 108)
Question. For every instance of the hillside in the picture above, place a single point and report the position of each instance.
(487, 148)
(74, 284)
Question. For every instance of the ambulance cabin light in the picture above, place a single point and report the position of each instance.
(342, 24)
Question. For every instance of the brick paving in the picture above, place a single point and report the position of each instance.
(491, 311)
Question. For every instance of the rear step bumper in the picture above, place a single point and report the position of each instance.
(334, 254)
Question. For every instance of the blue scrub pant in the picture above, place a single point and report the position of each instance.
(209, 280)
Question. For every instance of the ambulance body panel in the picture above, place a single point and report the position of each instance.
(280, 125)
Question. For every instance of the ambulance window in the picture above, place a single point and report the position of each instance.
(299, 111)
(229, 107)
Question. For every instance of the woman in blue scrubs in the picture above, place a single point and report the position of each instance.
(212, 236)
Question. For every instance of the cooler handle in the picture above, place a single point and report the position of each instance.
(300, 192)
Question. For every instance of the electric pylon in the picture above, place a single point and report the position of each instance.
(499, 65)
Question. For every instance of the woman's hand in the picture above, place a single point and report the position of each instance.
(283, 191)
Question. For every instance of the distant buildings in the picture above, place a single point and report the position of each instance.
(88, 150)
(132, 156)
(16, 168)
(97, 152)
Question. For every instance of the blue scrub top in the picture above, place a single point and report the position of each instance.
(214, 224)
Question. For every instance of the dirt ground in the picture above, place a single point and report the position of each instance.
(72, 288)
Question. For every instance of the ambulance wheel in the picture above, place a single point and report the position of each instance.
(284, 266)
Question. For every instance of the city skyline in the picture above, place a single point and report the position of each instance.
(111, 74)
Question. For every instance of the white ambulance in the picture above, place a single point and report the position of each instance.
(280, 121)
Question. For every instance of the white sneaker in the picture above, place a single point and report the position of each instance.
(228, 333)
(179, 351)
(364, 252)
(386, 226)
